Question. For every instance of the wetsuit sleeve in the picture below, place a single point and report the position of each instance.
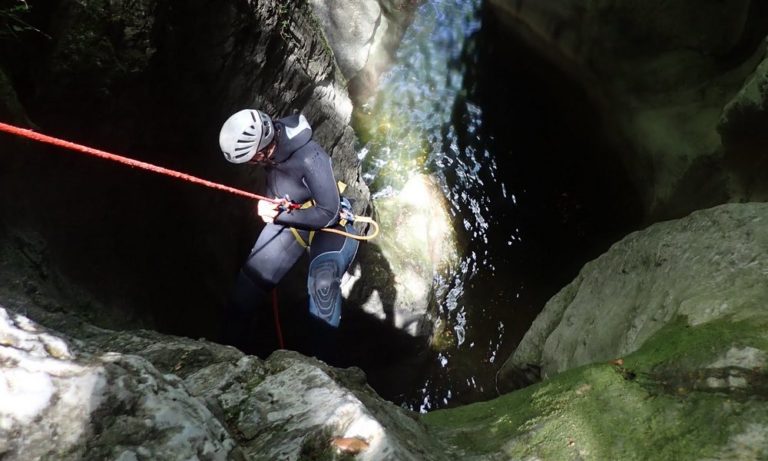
(318, 178)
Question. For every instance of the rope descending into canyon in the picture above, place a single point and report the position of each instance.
(39, 137)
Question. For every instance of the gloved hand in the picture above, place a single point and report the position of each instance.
(268, 210)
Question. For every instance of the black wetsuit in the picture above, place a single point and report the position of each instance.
(302, 171)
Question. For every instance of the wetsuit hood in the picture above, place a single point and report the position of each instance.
(292, 132)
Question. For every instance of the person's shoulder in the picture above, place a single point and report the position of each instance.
(312, 151)
(296, 125)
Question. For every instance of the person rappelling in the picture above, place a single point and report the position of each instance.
(307, 199)
(307, 212)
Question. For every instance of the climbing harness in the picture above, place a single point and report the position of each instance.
(284, 203)
(345, 217)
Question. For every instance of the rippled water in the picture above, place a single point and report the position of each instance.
(532, 187)
(421, 122)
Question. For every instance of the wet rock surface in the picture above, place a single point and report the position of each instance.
(417, 243)
(364, 36)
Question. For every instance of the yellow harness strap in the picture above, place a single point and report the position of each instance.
(342, 222)
(301, 241)
(304, 206)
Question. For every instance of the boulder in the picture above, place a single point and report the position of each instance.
(107, 406)
(302, 408)
(710, 266)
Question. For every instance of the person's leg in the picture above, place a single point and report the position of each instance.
(330, 256)
(248, 317)
(246, 300)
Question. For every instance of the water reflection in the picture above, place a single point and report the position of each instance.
(422, 124)
(532, 188)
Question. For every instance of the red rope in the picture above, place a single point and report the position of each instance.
(29, 134)
(277, 319)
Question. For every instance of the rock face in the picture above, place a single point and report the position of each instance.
(10, 109)
(709, 266)
(142, 395)
(660, 74)
(101, 406)
(742, 128)
(364, 36)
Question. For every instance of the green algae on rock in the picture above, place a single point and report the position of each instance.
(662, 402)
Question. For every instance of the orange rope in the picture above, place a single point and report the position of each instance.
(35, 136)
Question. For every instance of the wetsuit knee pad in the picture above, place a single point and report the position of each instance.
(324, 281)
(324, 286)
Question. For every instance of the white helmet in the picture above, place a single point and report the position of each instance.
(244, 134)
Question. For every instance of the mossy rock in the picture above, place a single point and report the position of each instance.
(707, 266)
(691, 392)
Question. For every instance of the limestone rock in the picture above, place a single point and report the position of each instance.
(364, 36)
(134, 395)
(58, 403)
(302, 406)
(351, 28)
(710, 265)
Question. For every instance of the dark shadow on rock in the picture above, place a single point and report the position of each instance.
(376, 279)
(510, 378)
